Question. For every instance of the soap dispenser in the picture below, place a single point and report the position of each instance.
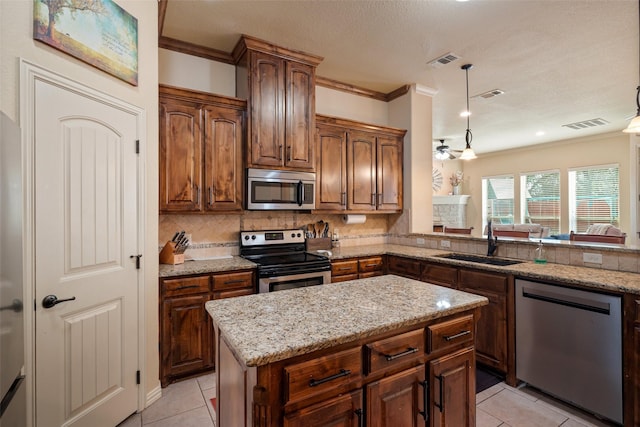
(540, 254)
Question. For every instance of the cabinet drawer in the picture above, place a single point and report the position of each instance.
(450, 333)
(480, 280)
(370, 274)
(404, 267)
(315, 376)
(440, 274)
(366, 265)
(339, 268)
(394, 351)
(233, 281)
(232, 293)
(343, 278)
(186, 286)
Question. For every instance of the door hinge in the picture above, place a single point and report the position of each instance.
(138, 377)
(137, 146)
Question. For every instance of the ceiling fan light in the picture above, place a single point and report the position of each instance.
(468, 154)
(442, 155)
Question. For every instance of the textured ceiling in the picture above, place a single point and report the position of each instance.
(558, 61)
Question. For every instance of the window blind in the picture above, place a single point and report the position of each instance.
(497, 199)
(594, 195)
(540, 199)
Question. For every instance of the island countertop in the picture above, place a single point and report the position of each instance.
(269, 327)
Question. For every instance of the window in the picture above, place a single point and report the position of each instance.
(497, 199)
(540, 199)
(593, 197)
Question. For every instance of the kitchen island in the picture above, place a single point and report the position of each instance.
(310, 355)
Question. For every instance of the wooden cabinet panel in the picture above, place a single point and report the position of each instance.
(491, 338)
(389, 174)
(233, 293)
(361, 165)
(223, 172)
(453, 390)
(180, 156)
(450, 333)
(361, 268)
(344, 278)
(185, 286)
(342, 411)
(315, 376)
(405, 267)
(370, 264)
(390, 352)
(233, 281)
(397, 401)
(438, 274)
(201, 138)
(339, 268)
(331, 168)
(300, 115)
(186, 344)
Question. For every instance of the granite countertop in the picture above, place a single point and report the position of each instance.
(212, 265)
(269, 327)
(607, 280)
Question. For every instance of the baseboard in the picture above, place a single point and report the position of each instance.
(153, 395)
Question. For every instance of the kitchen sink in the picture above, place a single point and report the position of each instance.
(480, 259)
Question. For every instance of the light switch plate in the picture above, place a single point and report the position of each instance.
(592, 258)
(420, 241)
(445, 243)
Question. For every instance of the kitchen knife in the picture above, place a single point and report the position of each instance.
(175, 236)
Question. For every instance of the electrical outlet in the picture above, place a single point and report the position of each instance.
(420, 241)
(445, 243)
(592, 258)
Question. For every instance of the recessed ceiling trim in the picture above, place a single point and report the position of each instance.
(586, 124)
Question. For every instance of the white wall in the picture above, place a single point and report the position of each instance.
(16, 41)
(193, 72)
(331, 102)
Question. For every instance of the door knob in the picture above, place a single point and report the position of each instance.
(52, 300)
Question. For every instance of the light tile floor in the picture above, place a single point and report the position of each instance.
(187, 404)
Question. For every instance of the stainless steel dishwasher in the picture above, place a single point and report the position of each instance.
(569, 344)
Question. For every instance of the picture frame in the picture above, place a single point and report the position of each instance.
(97, 32)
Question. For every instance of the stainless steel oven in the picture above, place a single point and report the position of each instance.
(282, 260)
(280, 190)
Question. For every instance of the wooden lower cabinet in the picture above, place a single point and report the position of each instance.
(357, 268)
(405, 267)
(342, 411)
(631, 360)
(453, 390)
(187, 345)
(398, 400)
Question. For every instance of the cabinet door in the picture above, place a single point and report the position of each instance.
(389, 174)
(397, 401)
(453, 390)
(331, 168)
(180, 156)
(266, 111)
(491, 338)
(223, 173)
(300, 116)
(361, 167)
(187, 346)
(437, 274)
(405, 267)
(342, 411)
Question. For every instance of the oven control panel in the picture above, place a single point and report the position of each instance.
(272, 237)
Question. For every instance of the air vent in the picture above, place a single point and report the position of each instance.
(586, 124)
(489, 94)
(444, 60)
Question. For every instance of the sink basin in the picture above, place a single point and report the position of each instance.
(480, 259)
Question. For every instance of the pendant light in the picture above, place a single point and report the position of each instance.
(634, 126)
(468, 153)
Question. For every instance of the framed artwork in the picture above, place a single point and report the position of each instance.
(98, 32)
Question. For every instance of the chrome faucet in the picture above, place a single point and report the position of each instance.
(492, 242)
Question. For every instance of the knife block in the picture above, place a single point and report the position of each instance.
(167, 255)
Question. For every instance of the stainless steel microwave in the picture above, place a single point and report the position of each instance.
(280, 190)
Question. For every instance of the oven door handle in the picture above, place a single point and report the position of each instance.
(300, 193)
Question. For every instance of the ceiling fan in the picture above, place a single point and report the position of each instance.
(443, 152)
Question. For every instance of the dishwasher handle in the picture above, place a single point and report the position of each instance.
(568, 301)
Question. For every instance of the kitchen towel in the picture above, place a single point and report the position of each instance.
(354, 219)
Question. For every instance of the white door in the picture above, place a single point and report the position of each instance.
(86, 228)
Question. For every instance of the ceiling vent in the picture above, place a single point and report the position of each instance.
(586, 124)
(445, 59)
(489, 94)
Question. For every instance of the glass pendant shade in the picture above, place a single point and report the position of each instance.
(468, 154)
(634, 125)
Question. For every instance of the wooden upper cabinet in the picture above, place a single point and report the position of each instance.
(223, 173)
(201, 141)
(280, 88)
(180, 155)
(331, 168)
(365, 159)
(361, 161)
